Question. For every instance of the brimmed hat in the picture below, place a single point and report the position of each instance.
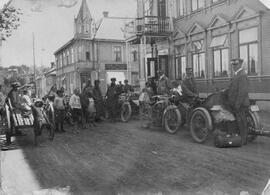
(15, 84)
(125, 81)
(113, 79)
(236, 61)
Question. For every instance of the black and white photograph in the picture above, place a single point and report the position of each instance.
(134, 97)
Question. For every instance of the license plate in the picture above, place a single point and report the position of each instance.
(254, 108)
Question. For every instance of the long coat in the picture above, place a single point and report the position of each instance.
(163, 85)
(238, 91)
(98, 101)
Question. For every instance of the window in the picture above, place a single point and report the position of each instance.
(72, 55)
(162, 8)
(248, 41)
(199, 65)
(180, 68)
(117, 54)
(134, 56)
(181, 8)
(64, 59)
(197, 4)
(87, 56)
(221, 62)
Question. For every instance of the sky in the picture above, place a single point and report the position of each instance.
(52, 23)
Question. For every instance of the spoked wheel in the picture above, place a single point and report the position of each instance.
(125, 112)
(200, 125)
(252, 124)
(172, 119)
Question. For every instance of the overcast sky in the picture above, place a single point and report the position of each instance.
(52, 22)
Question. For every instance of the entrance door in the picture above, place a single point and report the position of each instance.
(85, 76)
(164, 64)
(152, 67)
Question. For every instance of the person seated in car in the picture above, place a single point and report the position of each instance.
(189, 86)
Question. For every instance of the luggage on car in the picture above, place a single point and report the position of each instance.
(228, 140)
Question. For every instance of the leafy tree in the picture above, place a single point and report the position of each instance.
(9, 20)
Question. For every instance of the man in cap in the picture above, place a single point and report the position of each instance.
(112, 99)
(238, 97)
(163, 84)
(127, 87)
(189, 85)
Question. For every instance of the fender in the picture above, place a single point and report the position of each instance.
(170, 107)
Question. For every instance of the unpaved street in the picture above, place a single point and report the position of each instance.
(123, 158)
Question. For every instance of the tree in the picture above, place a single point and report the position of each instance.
(9, 20)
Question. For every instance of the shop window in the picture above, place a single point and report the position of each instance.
(197, 4)
(248, 41)
(117, 54)
(199, 65)
(221, 62)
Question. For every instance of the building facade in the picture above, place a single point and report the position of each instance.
(97, 51)
(206, 35)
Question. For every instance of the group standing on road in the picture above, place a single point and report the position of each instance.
(89, 106)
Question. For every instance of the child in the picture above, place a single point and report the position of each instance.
(59, 106)
(26, 103)
(75, 104)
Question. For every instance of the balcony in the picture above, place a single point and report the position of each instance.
(153, 26)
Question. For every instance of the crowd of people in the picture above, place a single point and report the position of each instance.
(88, 107)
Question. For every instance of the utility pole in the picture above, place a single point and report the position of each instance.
(34, 64)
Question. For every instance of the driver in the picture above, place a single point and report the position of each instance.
(189, 87)
(238, 97)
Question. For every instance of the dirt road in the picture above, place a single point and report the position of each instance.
(123, 158)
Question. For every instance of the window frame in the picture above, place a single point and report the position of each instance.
(197, 5)
(199, 53)
(248, 44)
(179, 71)
(220, 49)
(117, 58)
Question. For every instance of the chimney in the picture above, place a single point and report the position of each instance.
(105, 14)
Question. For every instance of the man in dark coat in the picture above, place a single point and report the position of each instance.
(98, 101)
(112, 99)
(127, 87)
(238, 97)
(189, 84)
(164, 85)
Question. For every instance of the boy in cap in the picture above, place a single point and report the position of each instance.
(127, 88)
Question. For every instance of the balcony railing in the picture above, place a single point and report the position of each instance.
(153, 25)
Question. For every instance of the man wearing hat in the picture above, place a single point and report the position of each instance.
(127, 88)
(189, 85)
(163, 84)
(238, 97)
(112, 99)
(13, 95)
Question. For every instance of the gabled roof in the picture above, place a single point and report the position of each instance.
(217, 21)
(84, 11)
(112, 28)
(195, 28)
(244, 12)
